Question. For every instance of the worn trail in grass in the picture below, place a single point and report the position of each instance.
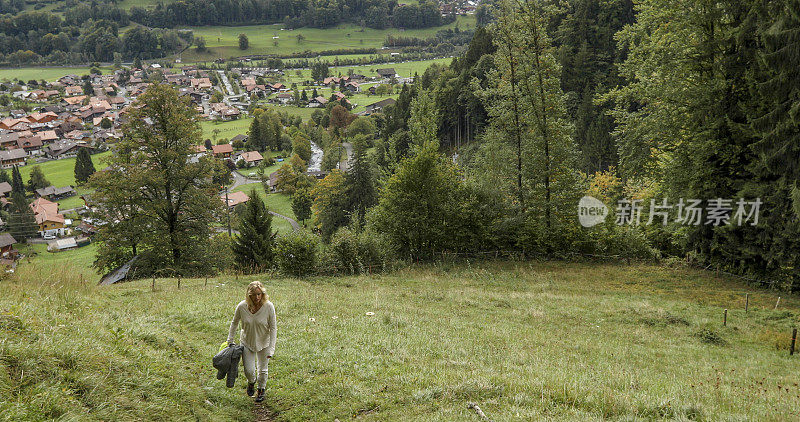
(530, 340)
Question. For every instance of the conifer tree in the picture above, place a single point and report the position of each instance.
(21, 220)
(84, 167)
(37, 180)
(17, 185)
(253, 246)
(360, 181)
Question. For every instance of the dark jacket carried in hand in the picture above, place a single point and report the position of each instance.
(227, 362)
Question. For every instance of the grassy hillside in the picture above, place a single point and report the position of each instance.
(524, 341)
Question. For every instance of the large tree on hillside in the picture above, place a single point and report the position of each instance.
(253, 246)
(528, 152)
(174, 199)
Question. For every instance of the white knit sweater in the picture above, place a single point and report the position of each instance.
(259, 330)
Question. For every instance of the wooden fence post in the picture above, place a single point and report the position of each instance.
(778, 302)
(746, 301)
(794, 337)
(179, 283)
(153, 287)
(725, 318)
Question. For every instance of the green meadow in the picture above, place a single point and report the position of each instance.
(223, 41)
(46, 73)
(523, 340)
(280, 203)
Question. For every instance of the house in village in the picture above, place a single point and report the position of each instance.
(251, 158)
(13, 157)
(387, 73)
(222, 151)
(53, 193)
(234, 198)
(50, 222)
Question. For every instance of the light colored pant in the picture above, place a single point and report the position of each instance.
(249, 362)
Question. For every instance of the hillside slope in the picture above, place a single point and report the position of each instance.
(561, 341)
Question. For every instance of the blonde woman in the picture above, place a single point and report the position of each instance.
(256, 314)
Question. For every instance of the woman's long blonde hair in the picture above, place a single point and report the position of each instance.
(252, 286)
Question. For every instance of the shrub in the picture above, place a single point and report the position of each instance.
(353, 253)
(296, 253)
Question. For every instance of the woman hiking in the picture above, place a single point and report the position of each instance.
(256, 314)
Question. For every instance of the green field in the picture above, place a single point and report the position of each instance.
(227, 130)
(523, 340)
(223, 41)
(46, 73)
(280, 203)
(62, 172)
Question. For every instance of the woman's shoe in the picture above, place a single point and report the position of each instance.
(251, 388)
(260, 396)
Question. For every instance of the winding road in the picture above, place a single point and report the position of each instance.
(239, 180)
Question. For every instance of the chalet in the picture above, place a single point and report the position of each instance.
(13, 157)
(75, 101)
(201, 83)
(251, 158)
(222, 151)
(42, 117)
(31, 145)
(222, 111)
(53, 193)
(376, 107)
(352, 86)
(5, 189)
(277, 87)
(47, 136)
(8, 140)
(73, 90)
(199, 149)
(65, 148)
(239, 137)
(7, 244)
(387, 73)
(284, 98)
(47, 217)
(235, 198)
(317, 102)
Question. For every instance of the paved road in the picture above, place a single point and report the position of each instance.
(345, 163)
(224, 78)
(239, 180)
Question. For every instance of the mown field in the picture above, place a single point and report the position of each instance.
(46, 73)
(223, 41)
(61, 173)
(523, 340)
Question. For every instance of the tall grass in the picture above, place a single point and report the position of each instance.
(524, 340)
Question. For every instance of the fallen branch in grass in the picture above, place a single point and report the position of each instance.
(478, 411)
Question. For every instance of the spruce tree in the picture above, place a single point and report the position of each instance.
(253, 246)
(254, 135)
(37, 180)
(21, 221)
(360, 182)
(84, 167)
(17, 185)
(4, 177)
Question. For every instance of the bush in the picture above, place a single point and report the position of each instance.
(296, 253)
(354, 253)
